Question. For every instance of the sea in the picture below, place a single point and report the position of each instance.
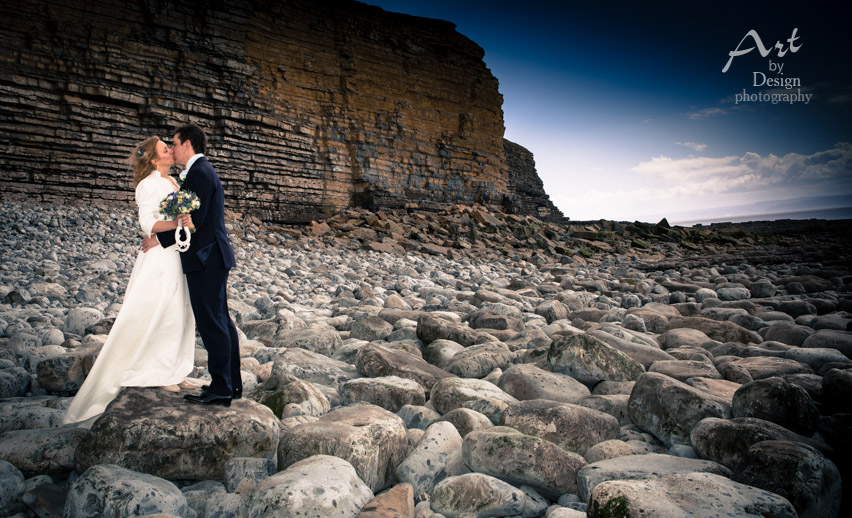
(834, 213)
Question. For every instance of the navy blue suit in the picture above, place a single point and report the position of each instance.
(206, 265)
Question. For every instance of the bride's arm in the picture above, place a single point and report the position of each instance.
(148, 200)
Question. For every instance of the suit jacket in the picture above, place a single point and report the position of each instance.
(209, 220)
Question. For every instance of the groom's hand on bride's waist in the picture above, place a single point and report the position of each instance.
(149, 243)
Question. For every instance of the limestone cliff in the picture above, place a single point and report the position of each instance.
(309, 106)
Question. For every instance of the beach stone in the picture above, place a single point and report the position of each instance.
(113, 491)
(726, 441)
(760, 367)
(641, 467)
(831, 339)
(27, 415)
(762, 289)
(837, 390)
(192, 441)
(776, 400)
(396, 502)
(370, 328)
(42, 451)
(436, 457)
(310, 400)
(573, 428)
(640, 351)
(320, 340)
(479, 395)
(417, 416)
(718, 388)
(668, 408)
(441, 352)
(614, 405)
(590, 360)
(817, 357)
(66, 372)
(433, 327)
(682, 370)
(655, 316)
(11, 489)
(698, 495)
(318, 486)
(466, 420)
(788, 333)
(311, 367)
(368, 437)
(78, 319)
(723, 331)
(477, 361)
(243, 473)
(376, 360)
(489, 319)
(703, 294)
(613, 448)
(798, 472)
(526, 381)
(479, 495)
(727, 294)
(14, 382)
(552, 310)
(388, 392)
(521, 459)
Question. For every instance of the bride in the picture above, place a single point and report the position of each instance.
(152, 342)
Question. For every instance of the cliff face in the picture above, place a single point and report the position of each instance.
(309, 106)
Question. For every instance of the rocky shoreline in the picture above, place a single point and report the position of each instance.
(456, 364)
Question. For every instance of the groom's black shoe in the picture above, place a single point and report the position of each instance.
(206, 398)
(238, 392)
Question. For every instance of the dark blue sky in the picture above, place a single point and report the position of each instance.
(629, 115)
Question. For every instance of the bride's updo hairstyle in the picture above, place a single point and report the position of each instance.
(140, 159)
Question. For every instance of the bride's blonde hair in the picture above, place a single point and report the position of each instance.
(140, 159)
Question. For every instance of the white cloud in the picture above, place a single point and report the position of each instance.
(697, 146)
(707, 112)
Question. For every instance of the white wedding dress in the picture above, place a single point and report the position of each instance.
(152, 342)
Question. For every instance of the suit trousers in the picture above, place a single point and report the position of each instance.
(208, 294)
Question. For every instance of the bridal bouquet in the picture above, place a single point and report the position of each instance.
(175, 204)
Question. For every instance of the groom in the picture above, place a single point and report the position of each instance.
(206, 265)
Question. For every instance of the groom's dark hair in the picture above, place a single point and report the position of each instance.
(194, 135)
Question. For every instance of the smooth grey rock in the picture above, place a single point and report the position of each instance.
(466, 420)
(388, 392)
(40, 451)
(571, 427)
(370, 328)
(441, 352)
(432, 327)
(698, 495)
(639, 467)
(78, 319)
(478, 494)
(477, 361)
(243, 473)
(11, 489)
(682, 370)
(417, 416)
(317, 339)
(613, 448)
(14, 382)
(589, 360)
(319, 486)
(376, 360)
(614, 405)
(482, 396)
(110, 491)
(370, 438)
(668, 408)
(719, 331)
(525, 381)
(785, 332)
(66, 372)
(436, 457)
(776, 400)
(310, 366)
(520, 459)
(829, 338)
(310, 400)
(552, 310)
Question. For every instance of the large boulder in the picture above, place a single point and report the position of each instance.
(14, 382)
(777, 400)
(478, 495)
(525, 381)
(466, 420)
(697, 495)
(480, 395)
(41, 451)
(376, 360)
(723, 331)
(371, 439)
(396, 502)
(590, 360)
(113, 491)
(477, 361)
(191, 441)
(389, 392)
(434, 327)
(637, 467)
(571, 427)
(832, 339)
(302, 394)
(643, 352)
(668, 408)
(370, 328)
(674, 338)
(521, 459)
(682, 370)
(309, 366)
(78, 319)
(322, 340)
(11, 488)
(726, 441)
(319, 486)
(788, 333)
(437, 456)
(798, 472)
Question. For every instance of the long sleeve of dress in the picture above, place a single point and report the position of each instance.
(148, 200)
